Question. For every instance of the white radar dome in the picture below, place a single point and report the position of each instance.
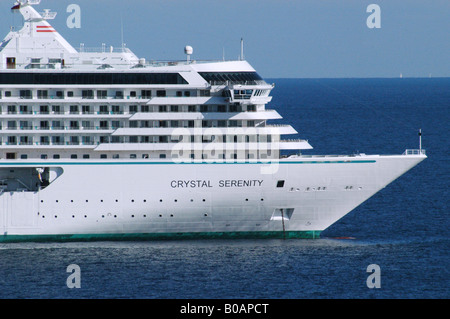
(188, 50)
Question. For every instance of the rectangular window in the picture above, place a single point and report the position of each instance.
(85, 109)
(116, 109)
(74, 109)
(115, 125)
(56, 125)
(56, 109)
(103, 109)
(146, 94)
(74, 125)
(161, 93)
(44, 140)
(42, 94)
(26, 94)
(102, 94)
(10, 63)
(103, 125)
(12, 140)
(87, 94)
(24, 140)
(133, 109)
(134, 139)
(74, 140)
(43, 109)
(86, 125)
(23, 109)
(12, 125)
(57, 140)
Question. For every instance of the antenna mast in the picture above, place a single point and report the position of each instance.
(420, 141)
(242, 49)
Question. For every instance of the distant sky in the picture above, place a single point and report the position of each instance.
(294, 39)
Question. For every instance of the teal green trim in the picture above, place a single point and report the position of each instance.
(174, 163)
(313, 234)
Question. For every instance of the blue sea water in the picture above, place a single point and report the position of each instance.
(403, 229)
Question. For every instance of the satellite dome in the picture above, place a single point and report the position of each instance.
(188, 50)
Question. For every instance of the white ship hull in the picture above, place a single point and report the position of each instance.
(160, 199)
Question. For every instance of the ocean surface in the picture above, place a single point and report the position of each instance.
(404, 229)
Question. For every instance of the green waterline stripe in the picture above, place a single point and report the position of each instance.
(310, 234)
(181, 163)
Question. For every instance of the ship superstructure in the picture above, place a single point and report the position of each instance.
(100, 142)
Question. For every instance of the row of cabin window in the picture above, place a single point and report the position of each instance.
(99, 94)
(91, 140)
(104, 125)
(118, 109)
(146, 156)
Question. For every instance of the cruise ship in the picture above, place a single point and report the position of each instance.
(100, 144)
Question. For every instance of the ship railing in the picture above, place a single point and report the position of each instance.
(104, 49)
(414, 152)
